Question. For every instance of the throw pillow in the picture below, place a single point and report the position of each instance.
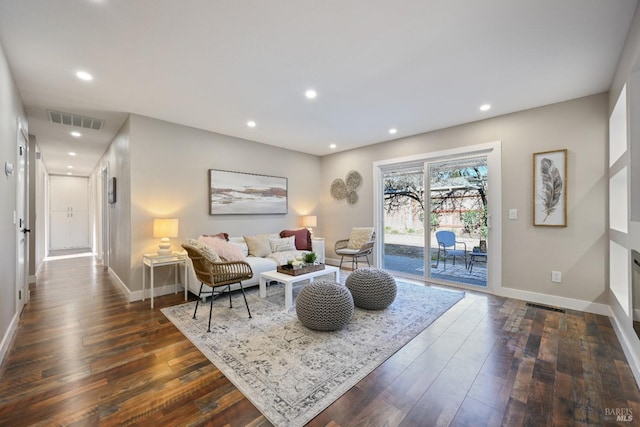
(283, 244)
(259, 244)
(303, 238)
(224, 249)
(224, 236)
(359, 236)
(205, 249)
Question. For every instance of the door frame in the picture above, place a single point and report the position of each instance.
(493, 152)
(22, 216)
(104, 209)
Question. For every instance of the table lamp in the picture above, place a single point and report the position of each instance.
(165, 228)
(309, 222)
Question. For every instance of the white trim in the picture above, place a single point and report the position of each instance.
(137, 295)
(8, 336)
(556, 301)
(157, 292)
(123, 287)
(493, 151)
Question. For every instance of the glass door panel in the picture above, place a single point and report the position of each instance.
(457, 209)
(404, 207)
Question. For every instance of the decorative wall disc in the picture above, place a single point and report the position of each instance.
(352, 197)
(353, 180)
(338, 189)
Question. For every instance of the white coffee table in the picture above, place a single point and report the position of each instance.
(289, 280)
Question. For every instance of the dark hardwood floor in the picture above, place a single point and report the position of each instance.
(83, 355)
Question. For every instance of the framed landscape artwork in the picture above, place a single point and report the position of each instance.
(237, 193)
(550, 188)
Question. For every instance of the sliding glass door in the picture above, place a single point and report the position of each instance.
(435, 219)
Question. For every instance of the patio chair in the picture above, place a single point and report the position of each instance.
(447, 247)
(359, 244)
(214, 272)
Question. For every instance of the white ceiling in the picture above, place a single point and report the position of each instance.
(416, 65)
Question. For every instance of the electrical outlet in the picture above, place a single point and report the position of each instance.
(556, 276)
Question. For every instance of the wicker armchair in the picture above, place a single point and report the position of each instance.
(342, 248)
(214, 272)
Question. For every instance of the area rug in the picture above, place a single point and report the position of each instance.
(291, 373)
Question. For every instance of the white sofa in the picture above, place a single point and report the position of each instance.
(258, 264)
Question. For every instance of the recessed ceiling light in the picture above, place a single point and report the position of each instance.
(393, 131)
(251, 124)
(485, 107)
(71, 153)
(83, 75)
(76, 134)
(310, 94)
(69, 173)
(69, 167)
(332, 146)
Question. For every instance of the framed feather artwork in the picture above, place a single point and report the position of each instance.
(550, 188)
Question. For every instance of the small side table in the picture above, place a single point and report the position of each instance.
(473, 256)
(155, 260)
(317, 245)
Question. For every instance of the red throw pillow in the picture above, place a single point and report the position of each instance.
(303, 238)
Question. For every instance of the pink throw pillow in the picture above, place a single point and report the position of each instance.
(224, 236)
(225, 250)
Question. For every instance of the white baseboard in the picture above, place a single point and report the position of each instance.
(556, 301)
(8, 336)
(123, 287)
(157, 291)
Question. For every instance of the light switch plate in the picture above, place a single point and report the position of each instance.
(513, 213)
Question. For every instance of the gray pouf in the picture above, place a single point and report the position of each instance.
(372, 288)
(324, 306)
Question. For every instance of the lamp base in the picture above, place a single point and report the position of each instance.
(164, 248)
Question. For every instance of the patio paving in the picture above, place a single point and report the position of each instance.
(409, 259)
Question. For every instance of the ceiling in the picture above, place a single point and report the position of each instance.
(413, 65)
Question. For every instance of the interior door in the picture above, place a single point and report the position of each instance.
(22, 213)
(69, 215)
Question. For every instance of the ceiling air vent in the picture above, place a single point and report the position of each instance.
(75, 120)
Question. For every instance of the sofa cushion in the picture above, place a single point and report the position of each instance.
(282, 244)
(259, 244)
(239, 243)
(303, 238)
(224, 249)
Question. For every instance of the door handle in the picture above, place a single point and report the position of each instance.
(25, 230)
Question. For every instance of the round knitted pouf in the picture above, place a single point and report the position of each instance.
(372, 288)
(324, 306)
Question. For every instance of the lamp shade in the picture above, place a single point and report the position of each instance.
(310, 221)
(165, 227)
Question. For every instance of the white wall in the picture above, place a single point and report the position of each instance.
(529, 253)
(11, 109)
(117, 159)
